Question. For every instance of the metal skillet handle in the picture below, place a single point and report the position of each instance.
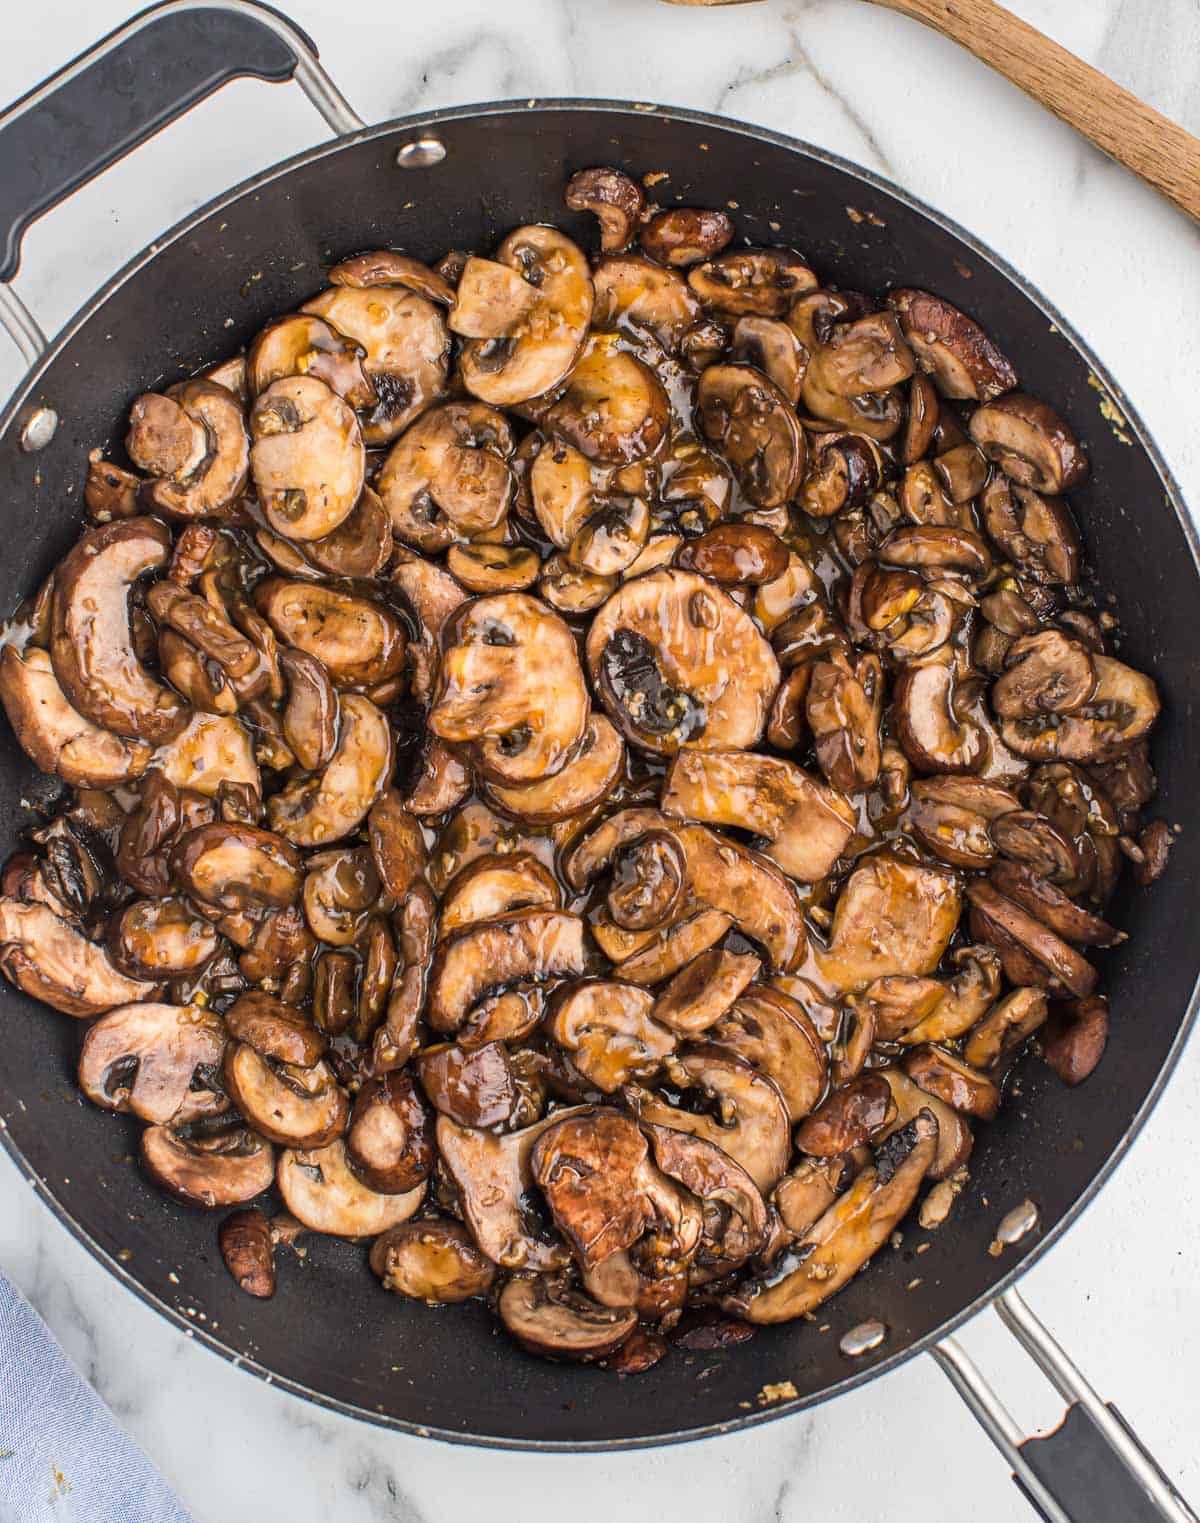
(1092, 1468)
(132, 83)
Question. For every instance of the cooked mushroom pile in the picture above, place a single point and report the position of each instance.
(585, 773)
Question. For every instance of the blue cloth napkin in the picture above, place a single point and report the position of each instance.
(63, 1459)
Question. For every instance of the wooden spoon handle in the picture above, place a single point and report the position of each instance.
(1162, 153)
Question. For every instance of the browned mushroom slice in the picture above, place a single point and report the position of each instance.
(891, 917)
(962, 471)
(859, 357)
(473, 1087)
(511, 685)
(1004, 1028)
(932, 733)
(1037, 533)
(586, 780)
(448, 477)
(735, 1215)
(854, 1228)
(565, 490)
(237, 867)
(341, 887)
(1122, 708)
(310, 716)
(843, 707)
(316, 811)
(770, 346)
(937, 547)
(964, 998)
(749, 1119)
(1030, 443)
(763, 281)
(548, 1317)
(226, 1168)
(1051, 906)
(737, 554)
(527, 946)
(305, 345)
(608, 1029)
(321, 1191)
(51, 961)
(596, 851)
(1024, 836)
(746, 417)
(493, 885)
(536, 353)
(787, 727)
(389, 1143)
(56, 736)
(193, 442)
(613, 198)
(358, 641)
(646, 883)
(495, 1184)
(1075, 1037)
(491, 300)
(307, 458)
(952, 817)
(431, 1261)
(844, 471)
(701, 993)
(296, 1107)
(149, 1059)
(752, 891)
(629, 289)
(614, 409)
(475, 831)
(109, 491)
(658, 955)
(158, 938)
(249, 1252)
(198, 677)
(360, 546)
(484, 568)
(675, 660)
(960, 1086)
(388, 267)
(1061, 962)
(807, 824)
(415, 925)
(210, 750)
(407, 350)
(848, 1118)
(952, 347)
(592, 1168)
(92, 645)
(1045, 673)
(807, 1191)
(275, 1029)
(684, 235)
(612, 538)
(955, 1138)
(769, 1030)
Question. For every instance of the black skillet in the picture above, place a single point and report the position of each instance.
(461, 179)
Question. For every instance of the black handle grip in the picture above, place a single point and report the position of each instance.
(110, 99)
(1084, 1474)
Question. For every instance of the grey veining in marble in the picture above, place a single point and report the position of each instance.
(868, 84)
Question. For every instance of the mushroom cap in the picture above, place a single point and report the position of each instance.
(630, 289)
(769, 1030)
(591, 1167)
(614, 409)
(891, 917)
(525, 946)
(235, 867)
(608, 1029)
(746, 416)
(320, 1189)
(228, 1168)
(677, 662)
(952, 347)
(549, 1318)
(210, 482)
(492, 886)
(431, 1261)
(447, 477)
(307, 458)
(211, 749)
(585, 781)
(295, 1107)
(52, 961)
(316, 811)
(143, 1057)
(357, 640)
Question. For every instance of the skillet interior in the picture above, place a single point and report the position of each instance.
(330, 1333)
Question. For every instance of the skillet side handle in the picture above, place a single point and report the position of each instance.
(1092, 1468)
(132, 83)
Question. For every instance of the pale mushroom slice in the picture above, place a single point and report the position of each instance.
(321, 1191)
(538, 348)
(92, 644)
(586, 780)
(841, 1241)
(56, 737)
(193, 442)
(677, 662)
(1121, 709)
(511, 687)
(53, 962)
(357, 640)
(752, 891)
(295, 1107)
(892, 916)
(610, 1031)
(210, 750)
(225, 1168)
(493, 885)
(565, 490)
(431, 1261)
(307, 458)
(526, 946)
(549, 1317)
(406, 345)
(152, 1059)
(806, 823)
(491, 300)
(433, 595)
(700, 993)
(447, 477)
(747, 418)
(614, 409)
(318, 810)
(631, 289)
(300, 344)
(952, 347)
(494, 1179)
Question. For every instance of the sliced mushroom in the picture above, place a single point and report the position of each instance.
(310, 716)
(807, 824)
(154, 1060)
(807, 1191)
(1060, 963)
(841, 1241)
(1045, 673)
(612, 538)
(585, 781)
(307, 458)
(485, 568)
(235, 867)
(646, 882)
(511, 686)
(701, 993)
(613, 198)
(848, 1118)
(226, 1168)
(1121, 709)
(416, 922)
(736, 554)
(388, 267)
(92, 646)
(747, 417)
(952, 347)
(56, 736)
(53, 962)
(843, 472)
(565, 490)
(748, 888)
(1024, 836)
(341, 887)
(407, 350)
(955, 1140)
(938, 1072)
(675, 660)
(592, 1168)
(109, 491)
(316, 811)
(1031, 444)
(389, 1141)
(275, 1029)
(1051, 906)
(161, 938)
(296, 1107)
(304, 345)
(1075, 1036)
(629, 289)
(614, 409)
(321, 1191)
(249, 1252)
(735, 1215)
(769, 1030)
(535, 353)
(447, 477)
(547, 1317)
(891, 917)
(193, 442)
(493, 885)
(1037, 533)
(762, 281)
(474, 1087)
(684, 235)
(397, 845)
(658, 955)
(953, 817)
(843, 706)
(358, 641)
(963, 1000)
(491, 300)
(933, 734)
(527, 946)
(609, 1030)
(1005, 1027)
(431, 1261)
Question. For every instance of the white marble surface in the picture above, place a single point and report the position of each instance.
(1126, 270)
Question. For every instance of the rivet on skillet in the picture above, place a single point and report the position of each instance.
(862, 1339)
(38, 430)
(421, 153)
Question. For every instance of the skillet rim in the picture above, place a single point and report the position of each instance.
(1037, 1246)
